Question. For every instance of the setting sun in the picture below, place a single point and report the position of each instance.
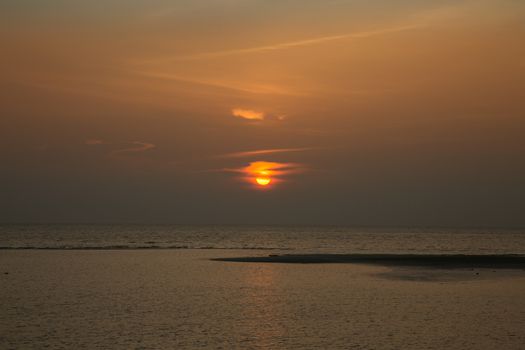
(267, 174)
(263, 181)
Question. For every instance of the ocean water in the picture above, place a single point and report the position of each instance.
(294, 239)
(112, 287)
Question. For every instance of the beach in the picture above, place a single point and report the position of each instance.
(180, 298)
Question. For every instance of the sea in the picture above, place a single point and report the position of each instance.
(298, 239)
(94, 286)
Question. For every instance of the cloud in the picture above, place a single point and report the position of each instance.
(247, 114)
(132, 147)
(252, 115)
(264, 151)
(297, 43)
(238, 86)
(94, 142)
(272, 172)
(137, 147)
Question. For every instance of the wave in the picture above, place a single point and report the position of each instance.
(511, 261)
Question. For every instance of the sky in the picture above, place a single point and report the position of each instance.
(338, 112)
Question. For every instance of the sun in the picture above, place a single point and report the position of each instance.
(264, 175)
(263, 181)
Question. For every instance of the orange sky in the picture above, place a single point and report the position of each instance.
(396, 112)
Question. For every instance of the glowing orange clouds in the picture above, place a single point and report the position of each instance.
(263, 174)
(247, 114)
(264, 151)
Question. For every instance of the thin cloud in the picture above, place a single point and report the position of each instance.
(137, 148)
(94, 142)
(297, 43)
(244, 87)
(264, 151)
(133, 147)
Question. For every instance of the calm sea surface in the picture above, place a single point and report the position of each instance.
(290, 238)
(98, 291)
